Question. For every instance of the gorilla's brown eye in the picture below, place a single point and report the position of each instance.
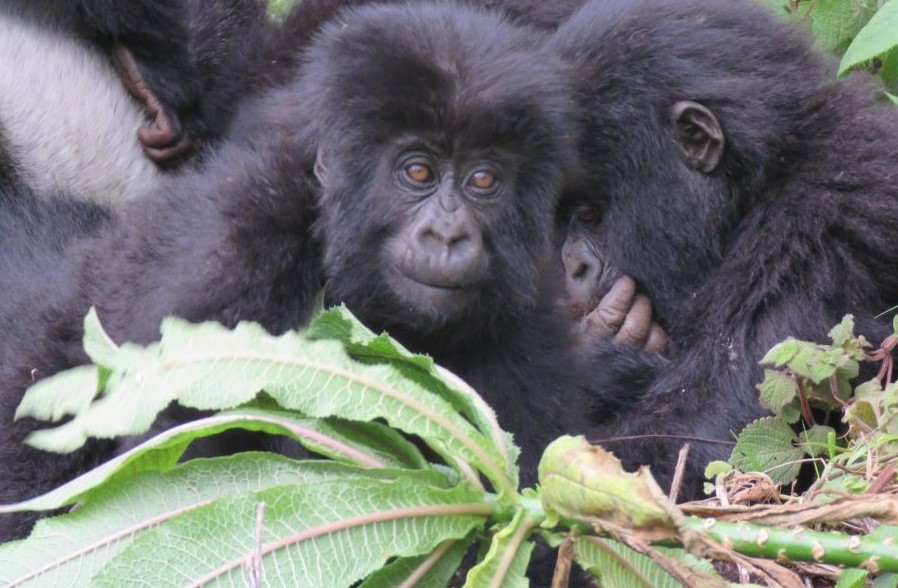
(587, 215)
(483, 180)
(419, 172)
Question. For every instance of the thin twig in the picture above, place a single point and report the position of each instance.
(679, 472)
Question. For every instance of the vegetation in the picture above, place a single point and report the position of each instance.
(408, 470)
(376, 507)
(863, 33)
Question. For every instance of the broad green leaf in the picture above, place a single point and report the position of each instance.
(68, 550)
(326, 534)
(505, 564)
(836, 22)
(852, 578)
(782, 353)
(878, 36)
(768, 445)
(208, 367)
(777, 390)
(361, 343)
(163, 451)
(434, 570)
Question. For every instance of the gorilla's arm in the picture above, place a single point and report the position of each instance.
(759, 296)
(229, 242)
(150, 48)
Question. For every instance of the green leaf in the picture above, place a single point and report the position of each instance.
(434, 570)
(782, 353)
(852, 578)
(791, 413)
(717, 468)
(886, 581)
(100, 347)
(66, 393)
(844, 331)
(506, 561)
(815, 441)
(617, 566)
(836, 22)
(326, 534)
(777, 390)
(69, 549)
(768, 445)
(362, 344)
(877, 37)
(208, 367)
(778, 7)
(163, 451)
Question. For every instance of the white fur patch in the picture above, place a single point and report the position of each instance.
(70, 123)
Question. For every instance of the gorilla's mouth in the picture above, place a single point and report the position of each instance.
(437, 284)
(432, 294)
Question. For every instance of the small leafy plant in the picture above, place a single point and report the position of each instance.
(863, 33)
(373, 506)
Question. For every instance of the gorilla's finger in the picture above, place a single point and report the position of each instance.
(657, 340)
(614, 306)
(637, 323)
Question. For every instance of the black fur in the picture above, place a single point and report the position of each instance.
(796, 227)
(251, 236)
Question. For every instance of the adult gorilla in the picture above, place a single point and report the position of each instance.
(750, 194)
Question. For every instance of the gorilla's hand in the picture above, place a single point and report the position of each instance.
(162, 137)
(626, 317)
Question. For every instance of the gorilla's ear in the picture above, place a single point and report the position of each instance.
(321, 167)
(699, 135)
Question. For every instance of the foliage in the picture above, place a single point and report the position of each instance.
(366, 503)
(811, 388)
(862, 33)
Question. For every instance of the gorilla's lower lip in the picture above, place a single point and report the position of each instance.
(430, 284)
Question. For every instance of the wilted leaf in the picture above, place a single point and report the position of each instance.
(584, 481)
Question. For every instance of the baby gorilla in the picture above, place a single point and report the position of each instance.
(440, 137)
